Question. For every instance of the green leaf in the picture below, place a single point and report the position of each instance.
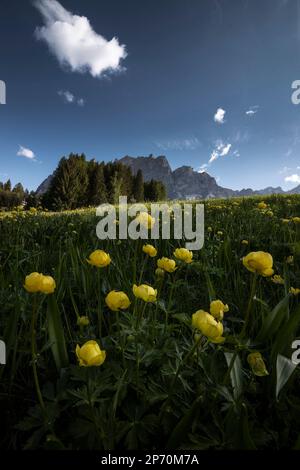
(273, 320)
(286, 334)
(236, 373)
(284, 370)
(182, 427)
(244, 440)
(56, 334)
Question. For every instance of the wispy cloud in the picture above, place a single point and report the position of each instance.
(26, 153)
(221, 150)
(75, 44)
(252, 110)
(284, 170)
(203, 168)
(69, 98)
(179, 144)
(219, 116)
(292, 179)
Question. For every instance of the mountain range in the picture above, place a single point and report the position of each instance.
(184, 182)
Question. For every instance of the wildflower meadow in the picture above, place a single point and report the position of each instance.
(143, 344)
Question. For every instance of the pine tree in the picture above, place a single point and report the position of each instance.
(7, 186)
(138, 187)
(97, 193)
(69, 186)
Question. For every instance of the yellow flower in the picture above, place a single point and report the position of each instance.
(294, 291)
(117, 300)
(259, 262)
(290, 259)
(159, 273)
(257, 364)
(262, 205)
(183, 255)
(83, 321)
(150, 250)
(209, 229)
(296, 220)
(145, 292)
(285, 221)
(90, 354)
(99, 258)
(220, 233)
(277, 279)
(245, 242)
(167, 264)
(33, 282)
(145, 219)
(270, 213)
(37, 282)
(48, 285)
(217, 309)
(208, 326)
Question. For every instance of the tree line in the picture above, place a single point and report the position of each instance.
(12, 197)
(78, 182)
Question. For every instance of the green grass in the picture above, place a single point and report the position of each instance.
(160, 386)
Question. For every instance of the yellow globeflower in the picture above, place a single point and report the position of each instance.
(208, 326)
(217, 309)
(99, 258)
(117, 300)
(159, 273)
(183, 255)
(48, 285)
(145, 292)
(262, 205)
(294, 291)
(33, 282)
(167, 264)
(220, 233)
(259, 262)
(285, 221)
(296, 220)
(150, 250)
(245, 242)
(145, 219)
(209, 229)
(277, 279)
(83, 321)
(257, 364)
(90, 354)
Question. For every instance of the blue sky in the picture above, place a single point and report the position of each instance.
(206, 83)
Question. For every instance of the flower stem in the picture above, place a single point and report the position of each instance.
(34, 357)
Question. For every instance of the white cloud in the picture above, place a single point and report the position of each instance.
(203, 168)
(221, 150)
(292, 179)
(180, 144)
(219, 117)
(75, 44)
(25, 152)
(67, 95)
(252, 110)
(69, 98)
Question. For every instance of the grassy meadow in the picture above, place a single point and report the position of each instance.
(166, 380)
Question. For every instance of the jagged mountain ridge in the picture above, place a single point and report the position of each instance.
(182, 183)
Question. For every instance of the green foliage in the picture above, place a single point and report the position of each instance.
(162, 385)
